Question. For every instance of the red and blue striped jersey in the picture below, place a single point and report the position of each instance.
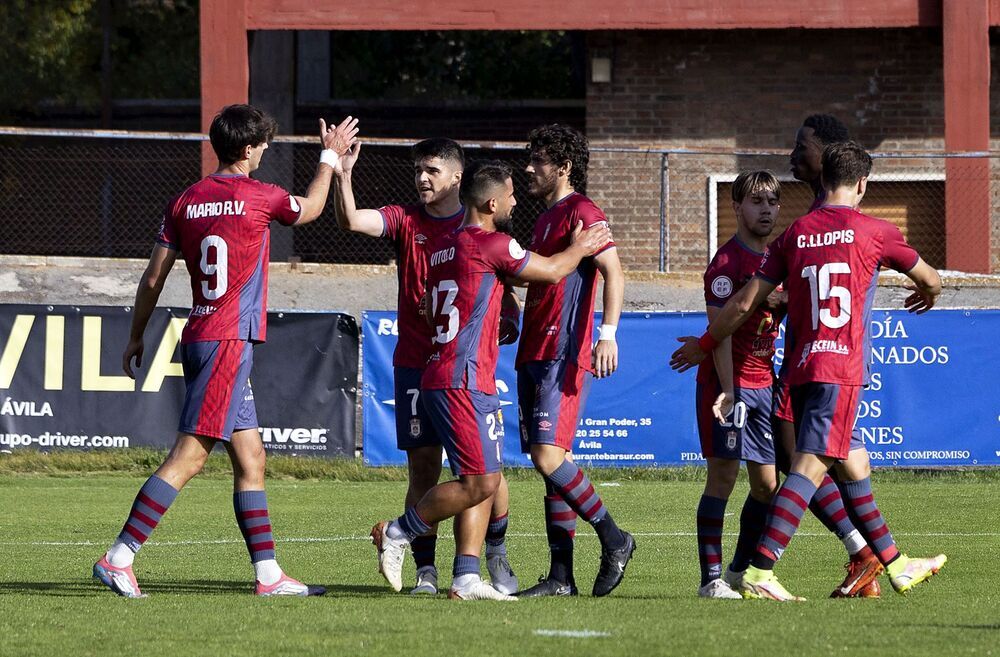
(410, 228)
(467, 270)
(559, 319)
(753, 342)
(789, 337)
(221, 225)
(829, 261)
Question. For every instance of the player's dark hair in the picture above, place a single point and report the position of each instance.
(827, 128)
(752, 182)
(845, 164)
(446, 149)
(480, 180)
(561, 143)
(238, 126)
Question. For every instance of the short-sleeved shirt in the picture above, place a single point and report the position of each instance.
(829, 260)
(789, 337)
(411, 228)
(467, 268)
(221, 227)
(753, 342)
(558, 321)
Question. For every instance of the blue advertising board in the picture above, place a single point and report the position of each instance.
(930, 402)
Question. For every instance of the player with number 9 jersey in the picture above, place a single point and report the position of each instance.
(221, 227)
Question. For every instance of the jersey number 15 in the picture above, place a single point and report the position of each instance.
(821, 290)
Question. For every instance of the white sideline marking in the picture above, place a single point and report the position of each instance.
(366, 538)
(572, 634)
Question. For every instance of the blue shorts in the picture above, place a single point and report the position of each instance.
(413, 425)
(551, 395)
(218, 399)
(471, 428)
(825, 414)
(747, 436)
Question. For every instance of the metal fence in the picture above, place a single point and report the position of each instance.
(102, 194)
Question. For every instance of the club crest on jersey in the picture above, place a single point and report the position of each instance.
(722, 286)
(415, 427)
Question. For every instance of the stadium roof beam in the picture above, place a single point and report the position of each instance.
(965, 25)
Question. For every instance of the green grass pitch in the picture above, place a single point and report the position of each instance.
(195, 570)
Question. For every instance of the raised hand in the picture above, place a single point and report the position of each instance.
(340, 138)
(348, 159)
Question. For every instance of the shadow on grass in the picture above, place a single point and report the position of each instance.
(964, 626)
(83, 588)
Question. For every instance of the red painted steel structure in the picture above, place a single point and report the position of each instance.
(965, 24)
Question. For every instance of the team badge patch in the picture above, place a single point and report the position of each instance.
(500, 415)
(415, 427)
(722, 287)
(515, 249)
(730, 440)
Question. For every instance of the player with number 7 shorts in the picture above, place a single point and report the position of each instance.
(220, 226)
(465, 283)
(829, 262)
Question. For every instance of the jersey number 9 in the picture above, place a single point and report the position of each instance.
(218, 269)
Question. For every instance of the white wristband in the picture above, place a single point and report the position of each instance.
(608, 332)
(329, 157)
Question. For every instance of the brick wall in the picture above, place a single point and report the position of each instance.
(750, 89)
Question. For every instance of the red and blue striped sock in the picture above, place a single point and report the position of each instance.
(861, 503)
(496, 533)
(787, 509)
(575, 488)
(153, 500)
(711, 512)
(255, 523)
(560, 528)
(828, 507)
(753, 519)
(424, 548)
